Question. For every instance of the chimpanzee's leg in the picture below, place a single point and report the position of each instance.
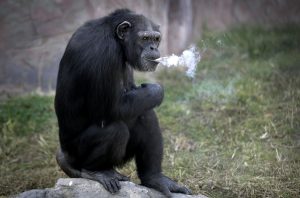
(99, 151)
(103, 148)
(147, 138)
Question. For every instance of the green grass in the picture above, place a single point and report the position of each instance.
(28, 141)
(232, 131)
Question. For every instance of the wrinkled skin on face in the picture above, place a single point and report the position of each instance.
(140, 43)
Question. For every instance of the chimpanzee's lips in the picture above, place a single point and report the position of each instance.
(152, 60)
(148, 64)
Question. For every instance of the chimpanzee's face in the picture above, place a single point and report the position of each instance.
(140, 40)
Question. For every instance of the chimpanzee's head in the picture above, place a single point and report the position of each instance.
(140, 39)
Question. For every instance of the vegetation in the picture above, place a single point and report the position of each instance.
(232, 131)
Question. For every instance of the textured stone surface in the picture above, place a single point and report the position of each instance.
(34, 33)
(82, 188)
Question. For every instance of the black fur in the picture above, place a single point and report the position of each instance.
(104, 118)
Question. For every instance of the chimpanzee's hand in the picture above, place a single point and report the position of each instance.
(137, 101)
(164, 184)
(154, 92)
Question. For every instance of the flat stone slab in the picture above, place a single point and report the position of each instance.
(83, 188)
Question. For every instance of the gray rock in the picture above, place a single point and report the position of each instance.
(83, 188)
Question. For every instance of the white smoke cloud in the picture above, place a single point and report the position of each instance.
(189, 59)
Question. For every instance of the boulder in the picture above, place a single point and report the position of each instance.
(83, 188)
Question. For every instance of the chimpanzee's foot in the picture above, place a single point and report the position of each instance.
(164, 185)
(108, 178)
(120, 177)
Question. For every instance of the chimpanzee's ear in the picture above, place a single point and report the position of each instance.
(122, 28)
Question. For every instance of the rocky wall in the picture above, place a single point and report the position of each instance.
(34, 33)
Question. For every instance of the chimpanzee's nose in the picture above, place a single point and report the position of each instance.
(153, 46)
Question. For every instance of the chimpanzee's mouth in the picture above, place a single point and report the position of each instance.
(152, 60)
(152, 64)
(148, 64)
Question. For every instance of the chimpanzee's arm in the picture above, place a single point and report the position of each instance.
(136, 101)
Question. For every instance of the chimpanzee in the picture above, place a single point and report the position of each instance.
(104, 119)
